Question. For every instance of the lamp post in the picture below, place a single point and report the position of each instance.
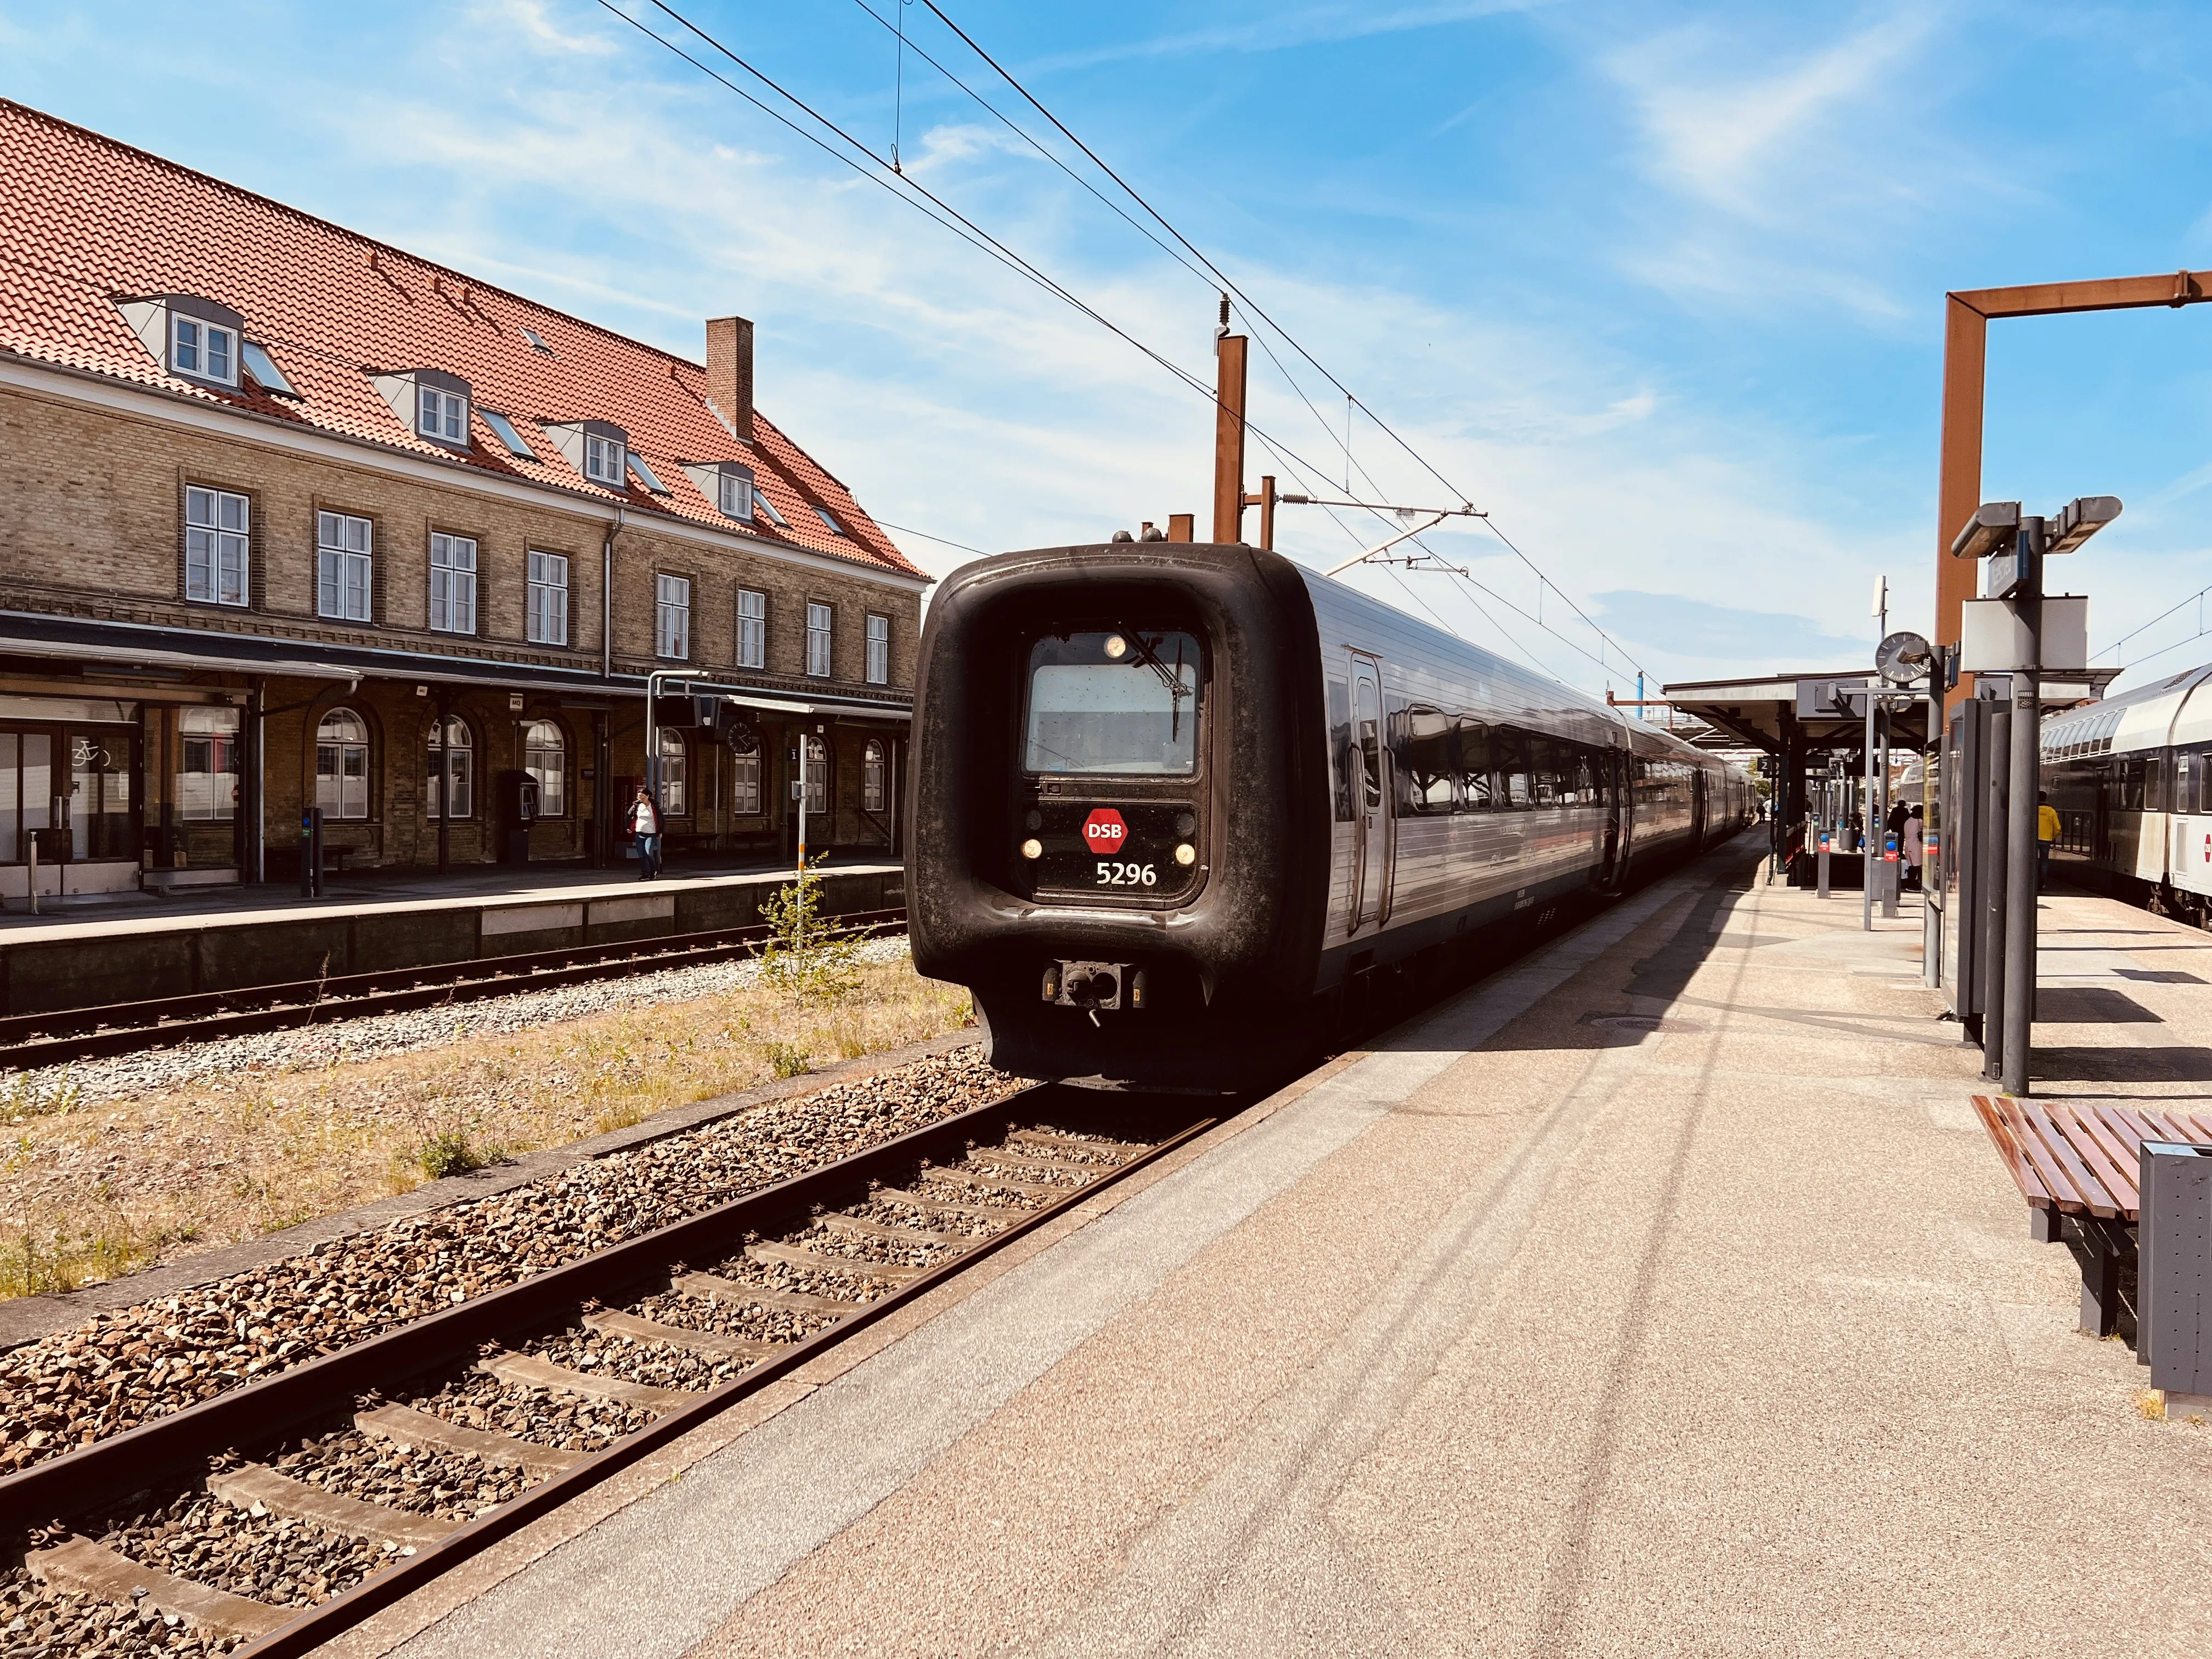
(653, 682)
(2015, 545)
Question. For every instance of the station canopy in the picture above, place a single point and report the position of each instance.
(1764, 710)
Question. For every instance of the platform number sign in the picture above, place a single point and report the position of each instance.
(1105, 833)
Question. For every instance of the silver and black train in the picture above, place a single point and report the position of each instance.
(1169, 800)
(2131, 779)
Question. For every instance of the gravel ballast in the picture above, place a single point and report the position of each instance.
(372, 1035)
(147, 1361)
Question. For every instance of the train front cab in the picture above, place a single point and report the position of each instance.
(1120, 829)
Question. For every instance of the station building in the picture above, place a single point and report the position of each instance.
(291, 518)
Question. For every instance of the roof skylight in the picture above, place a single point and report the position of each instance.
(769, 507)
(504, 430)
(645, 475)
(823, 513)
(537, 341)
(263, 367)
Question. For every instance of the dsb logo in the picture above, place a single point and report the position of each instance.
(1104, 831)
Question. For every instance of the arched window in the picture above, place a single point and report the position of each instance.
(817, 775)
(545, 757)
(673, 780)
(342, 766)
(207, 780)
(872, 776)
(457, 789)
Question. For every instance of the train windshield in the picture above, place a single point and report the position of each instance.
(1123, 701)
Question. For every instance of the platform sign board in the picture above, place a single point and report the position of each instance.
(2173, 1294)
(1993, 641)
(1820, 700)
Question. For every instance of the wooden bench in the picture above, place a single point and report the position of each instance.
(2079, 1166)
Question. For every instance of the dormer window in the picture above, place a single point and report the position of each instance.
(602, 460)
(598, 449)
(205, 350)
(727, 486)
(433, 404)
(195, 339)
(441, 415)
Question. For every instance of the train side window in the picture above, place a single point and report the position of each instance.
(1476, 785)
(1339, 747)
(1426, 760)
(1544, 770)
(1510, 750)
(2154, 783)
(1585, 781)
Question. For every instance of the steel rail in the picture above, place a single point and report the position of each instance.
(94, 1477)
(324, 1622)
(198, 1016)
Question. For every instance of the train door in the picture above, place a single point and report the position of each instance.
(1370, 854)
(1612, 782)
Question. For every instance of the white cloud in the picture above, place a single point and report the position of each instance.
(531, 20)
(1305, 26)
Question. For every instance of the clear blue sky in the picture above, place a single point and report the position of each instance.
(1660, 285)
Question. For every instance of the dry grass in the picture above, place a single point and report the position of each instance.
(90, 1192)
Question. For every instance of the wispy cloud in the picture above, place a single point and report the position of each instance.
(1307, 26)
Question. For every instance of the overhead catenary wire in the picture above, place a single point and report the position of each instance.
(2194, 599)
(922, 199)
(934, 208)
(1253, 310)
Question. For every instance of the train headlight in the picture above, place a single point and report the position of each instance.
(1032, 848)
(1117, 648)
(1186, 855)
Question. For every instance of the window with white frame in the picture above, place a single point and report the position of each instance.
(452, 791)
(443, 416)
(604, 459)
(745, 783)
(672, 770)
(752, 629)
(672, 617)
(452, 583)
(208, 769)
(818, 640)
(207, 350)
(880, 650)
(874, 790)
(215, 546)
(549, 598)
(342, 765)
(736, 495)
(817, 775)
(545, 757)
(341, 566)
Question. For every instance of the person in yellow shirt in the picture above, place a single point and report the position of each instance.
(2047, 836)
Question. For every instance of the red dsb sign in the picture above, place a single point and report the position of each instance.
(1104, 831)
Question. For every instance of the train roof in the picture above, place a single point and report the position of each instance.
(2177, 710)
(1539, 689)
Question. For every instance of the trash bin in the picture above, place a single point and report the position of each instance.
(2173, 1267)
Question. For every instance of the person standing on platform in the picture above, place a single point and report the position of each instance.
(645, 830)
(2047, 837)
(1912, 847)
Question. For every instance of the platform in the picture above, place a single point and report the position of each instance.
(1659, 1295)
(212, 938)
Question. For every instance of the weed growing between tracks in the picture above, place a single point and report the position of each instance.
(93, 1191)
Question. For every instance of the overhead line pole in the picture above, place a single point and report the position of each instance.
(1965, 356)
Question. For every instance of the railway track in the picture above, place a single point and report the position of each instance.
(269, 1518)
(29, 1042)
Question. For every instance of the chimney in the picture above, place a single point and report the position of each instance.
(730, 372)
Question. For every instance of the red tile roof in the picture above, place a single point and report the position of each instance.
(85, 221)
